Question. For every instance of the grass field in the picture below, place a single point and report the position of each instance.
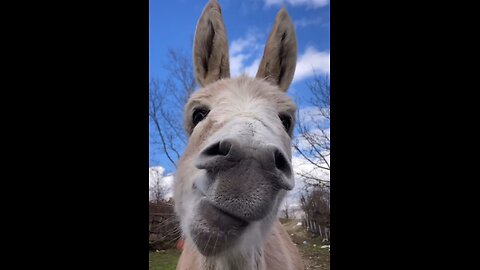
(163, 260)
(314, 257)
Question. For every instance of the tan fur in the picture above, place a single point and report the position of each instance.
(280, 55)
(210, 50)
(258, 101)
(280, 253)
(190, 258)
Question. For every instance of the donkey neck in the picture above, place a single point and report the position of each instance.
(249, 258)
(252, 259)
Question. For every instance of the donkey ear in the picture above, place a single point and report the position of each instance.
(280, 54)
(210, 47)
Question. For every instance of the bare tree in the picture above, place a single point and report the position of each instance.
(166, 101)
(164, 228)
(313, 140)
(157, 191)
(316, 206)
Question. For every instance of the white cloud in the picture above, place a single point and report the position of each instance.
(313, 116)
(252, 69)
(319, 137)
(243, 50)
(166, 181)
(304, 22)
(308, 3)
(155, 173)
(239, 45)
(273, 2)
(294, 208)
(312, 62)
(245, 54)
(302, 166)
(237, 65)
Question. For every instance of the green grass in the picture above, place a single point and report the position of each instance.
(163, 261)
(316, 250)
(315, 257)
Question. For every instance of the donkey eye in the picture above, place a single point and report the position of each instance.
(199, 115)
(286, 121)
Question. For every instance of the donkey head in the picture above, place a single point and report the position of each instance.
(237, 167)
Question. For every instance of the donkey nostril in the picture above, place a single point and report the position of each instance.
(221, 148)
(220, 155)
(282, 163)
(224, 147)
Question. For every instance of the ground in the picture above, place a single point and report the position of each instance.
(314, 256)
(163, 259)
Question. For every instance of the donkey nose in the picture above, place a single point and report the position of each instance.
(219, 149)
(282, 163)
(227, 153)
(220, 155)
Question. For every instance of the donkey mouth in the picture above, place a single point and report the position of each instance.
(214, 230)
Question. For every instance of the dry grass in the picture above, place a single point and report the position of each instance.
(314, 257)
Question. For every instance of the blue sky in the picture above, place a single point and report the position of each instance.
(248, 23)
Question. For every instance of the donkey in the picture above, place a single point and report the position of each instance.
(236, 168)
